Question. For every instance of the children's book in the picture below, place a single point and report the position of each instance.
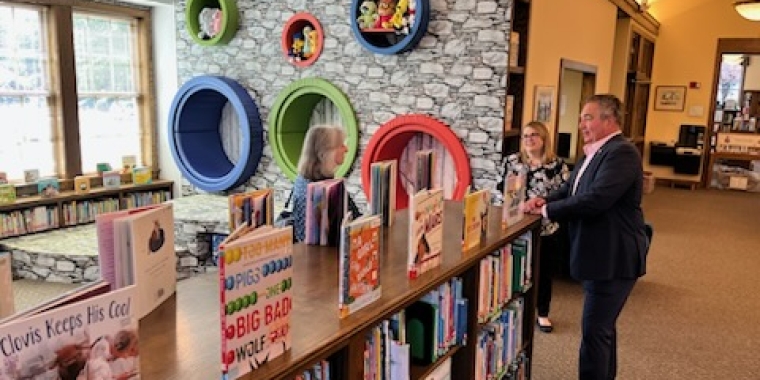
(383, 190)
(514, 199)
(48, 187)
(136, 246)
(3, 178)
(475, 222)
(111, 179)
(425, 231)
(31, 175)
(128, 163)
(253, 208)
(7, 305)
(256, 297)
(7, 193)
(359, 263)
(326, 204)
(142, 175)
(103, 167)
(81, 184)
(425, 168)
(94, 338)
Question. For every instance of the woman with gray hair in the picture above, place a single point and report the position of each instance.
(324, 149)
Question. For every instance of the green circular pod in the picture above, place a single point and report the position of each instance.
(229, 20)
(289, 121)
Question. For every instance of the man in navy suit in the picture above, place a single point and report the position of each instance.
(601, 204)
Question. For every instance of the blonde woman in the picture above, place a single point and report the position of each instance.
(545, 172)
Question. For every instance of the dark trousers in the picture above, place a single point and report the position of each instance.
(602, 305)
(550, 248)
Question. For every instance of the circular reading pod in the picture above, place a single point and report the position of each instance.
(395, 140)
(195, 139)
(390, 34)
(211, 22)
(302, 39)
(291, 115)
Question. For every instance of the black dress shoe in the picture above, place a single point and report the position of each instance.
(544, 328)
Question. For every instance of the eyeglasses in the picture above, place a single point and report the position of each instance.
(531, 135)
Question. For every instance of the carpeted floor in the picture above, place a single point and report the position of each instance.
(695, 314)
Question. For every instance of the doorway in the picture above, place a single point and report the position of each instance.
(577, 83)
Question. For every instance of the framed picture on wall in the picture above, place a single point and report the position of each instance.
(543, 105)
(669, 98)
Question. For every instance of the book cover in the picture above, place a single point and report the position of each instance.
(7, 304)
(425, 231)
(326, 204)
(94, 338)
(142, 254)
(383, 190)
(111, 179)
(31, 175)
(81, 184)
(359, 263)
(142, 175)
(475, 222)
(254, 208)
(7, 193)
(102, 167)
(514, 198)
(255, 292)
(48, 187)
(128, 163)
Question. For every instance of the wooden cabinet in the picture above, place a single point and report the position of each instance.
(30, 214)
(180, 339)
(517, 58)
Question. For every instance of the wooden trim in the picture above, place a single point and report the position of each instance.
(577, 66)
(62, 25)
(147, 90)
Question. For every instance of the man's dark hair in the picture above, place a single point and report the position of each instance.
(611, 106)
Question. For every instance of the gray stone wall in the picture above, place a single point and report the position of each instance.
(456, 74)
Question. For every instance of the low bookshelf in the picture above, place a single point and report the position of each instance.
(180, 339)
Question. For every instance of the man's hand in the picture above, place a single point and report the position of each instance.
(534, 205)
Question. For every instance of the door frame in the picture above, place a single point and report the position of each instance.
(587, 70)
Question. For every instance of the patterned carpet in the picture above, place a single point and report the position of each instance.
(28, 293)
(693, 316)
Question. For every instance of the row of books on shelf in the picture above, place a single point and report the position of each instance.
(418, 335)
(503, 273)
(42, 218)
(499, 344)
(21, 222)
(91, 332)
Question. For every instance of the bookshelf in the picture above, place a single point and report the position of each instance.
(68, 208)
(180, 339)
(517, 59)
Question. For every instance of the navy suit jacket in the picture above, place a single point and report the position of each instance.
(604, 217)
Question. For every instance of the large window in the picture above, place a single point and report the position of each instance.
(26, 140)
(64, 126)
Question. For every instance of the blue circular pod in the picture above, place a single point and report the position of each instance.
(195, 140)
(388, 42)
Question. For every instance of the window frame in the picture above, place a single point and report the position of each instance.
(63, 98)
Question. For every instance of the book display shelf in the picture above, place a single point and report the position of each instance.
(35, 213)
(180, 339)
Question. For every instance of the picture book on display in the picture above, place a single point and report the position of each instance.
(94, 338)
(253, 208)
(383, 192)
(514, 198)
(255, 293)
(425, 231)
(326, 204)
(7, 305)
(111, 179)
(142, 175)
(48, 187)
(359, 263)
(475, 223)
(31, 175)
(7, 193)
(128, 163)
(81, 184)
(136, 247)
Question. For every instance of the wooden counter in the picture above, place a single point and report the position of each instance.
(181, 339)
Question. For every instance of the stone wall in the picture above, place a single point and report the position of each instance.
(456, 74)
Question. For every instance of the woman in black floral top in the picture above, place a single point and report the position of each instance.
(545, 172)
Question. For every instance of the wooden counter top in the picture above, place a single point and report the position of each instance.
(181, 339)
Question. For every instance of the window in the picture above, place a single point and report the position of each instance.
(27, 141)
(90, 82)
(109, 123)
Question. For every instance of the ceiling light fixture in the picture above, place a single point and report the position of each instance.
(749, 9)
